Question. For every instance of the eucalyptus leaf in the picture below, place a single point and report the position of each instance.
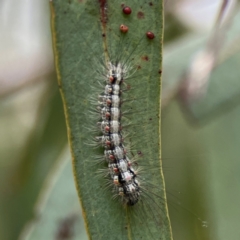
(57, 212)
(206, 165)
(222, 89)
(86, 36)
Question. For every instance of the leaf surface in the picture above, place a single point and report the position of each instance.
(57, 212)
(86, 35)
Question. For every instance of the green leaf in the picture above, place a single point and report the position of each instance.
(206, 173)
(177, 56)
(57, 212)
(86, 35)
(222, 91)
(30, 165)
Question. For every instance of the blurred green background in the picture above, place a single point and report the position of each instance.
(200, 125)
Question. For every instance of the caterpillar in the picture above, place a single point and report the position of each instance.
(121, 170)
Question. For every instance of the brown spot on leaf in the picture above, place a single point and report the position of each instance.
(140, 15)
(145, 58)
(139, 153)
(66, 228)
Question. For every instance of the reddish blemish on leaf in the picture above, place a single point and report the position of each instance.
(123, 28)
(103, 8)
(150, 35)
(127, 10)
